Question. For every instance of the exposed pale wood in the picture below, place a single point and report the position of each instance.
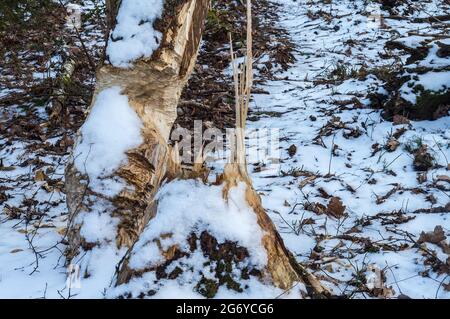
(153, 87)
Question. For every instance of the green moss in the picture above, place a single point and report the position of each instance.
(232, 284)
(413, 144)
(175, 273)
(220, 268)
(207, 287)
(431, 105)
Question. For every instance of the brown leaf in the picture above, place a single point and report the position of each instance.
(12, 212)
(306, 181)
(292, 150)
(399, 119)
(445, 247)
(324, 193)
(446, 287)
(392, 144)
(3, 197)
(398, 133)
(317, 208)
(335, 207)
(433, 237)
(422, 177)
(423, 160)
(443, 178)
(39, 176)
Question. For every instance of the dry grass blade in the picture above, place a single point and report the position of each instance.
(243, 81)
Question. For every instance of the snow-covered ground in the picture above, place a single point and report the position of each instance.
(339, 152)
(380, 190)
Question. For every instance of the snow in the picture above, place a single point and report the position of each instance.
(435, 81)
(187, 205)
(412, 41)
(433, 60)
(134, 36)
(353, 165)
(97, 268)
(317, 243)
(111, 129)
(97, 226)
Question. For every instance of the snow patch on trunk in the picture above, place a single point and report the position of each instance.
(111, 129)
(134, 36)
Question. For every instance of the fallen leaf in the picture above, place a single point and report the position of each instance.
(433, 237)
(38, 225)
(62, 231)
(335, 207)
(399, 120)
(443, 178)
(306, 181)
(446, 287)
(392, 144)
(292, 150)
(317, 208)
(39, 176)
(422, 177)
(423, 160)
(11, 211)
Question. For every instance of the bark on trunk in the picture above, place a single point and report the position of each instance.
(153, 87)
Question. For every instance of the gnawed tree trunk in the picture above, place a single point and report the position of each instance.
(152, 85)
(109, 210)
(185, 241)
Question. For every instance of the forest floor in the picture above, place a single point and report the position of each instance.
(360, 197)
(345, 202)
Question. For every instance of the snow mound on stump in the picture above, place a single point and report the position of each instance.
(188, 205)
(198, 245)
